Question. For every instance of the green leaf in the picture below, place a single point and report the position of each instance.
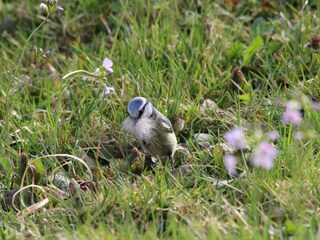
(40, 170)
(272, 47)
(260, 26)
(245, 98)
(235, 51)
(290, 227)
(254, 46)
(5, 163)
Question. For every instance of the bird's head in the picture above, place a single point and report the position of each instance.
(140, 107)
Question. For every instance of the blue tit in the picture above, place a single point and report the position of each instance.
(151, 128)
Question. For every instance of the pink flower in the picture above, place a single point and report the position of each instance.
(107, 91)
(263, 155)
(273, 136)
(315, 105)
(107, 63)
(235, 138)
(230, 162)
(292, 114)
(293, 117)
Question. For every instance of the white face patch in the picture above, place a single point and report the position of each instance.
(141, 129)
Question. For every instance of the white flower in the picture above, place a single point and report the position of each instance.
(44, 7)
(230, 162)
(298, 135)
(263, 155)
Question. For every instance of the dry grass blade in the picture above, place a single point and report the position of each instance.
(33, 208)
(20, 190)
(69, 156)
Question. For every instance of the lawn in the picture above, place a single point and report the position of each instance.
(239, 80)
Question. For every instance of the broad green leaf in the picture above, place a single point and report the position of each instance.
(272, 47)
(260, 27)
(254, 46)
(290, 227)
(245, 98)
(5, 163)
(235, 51)
(40, 170)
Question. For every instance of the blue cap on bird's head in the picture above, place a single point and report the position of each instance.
(138, 106)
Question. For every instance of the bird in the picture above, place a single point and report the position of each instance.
(151, 128)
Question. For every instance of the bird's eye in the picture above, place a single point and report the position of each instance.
(140, 113)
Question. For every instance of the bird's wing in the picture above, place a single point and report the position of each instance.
(166, 124)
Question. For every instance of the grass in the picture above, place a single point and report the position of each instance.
(177, 54)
